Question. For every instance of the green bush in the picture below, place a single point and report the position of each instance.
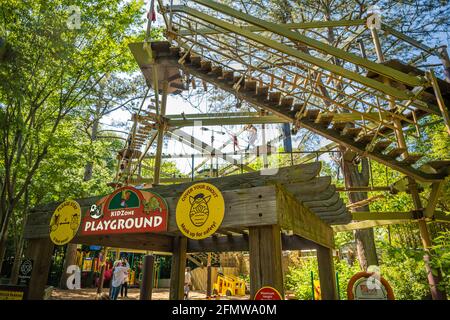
(404, 269)
(441, 259)
(298, 279)
(344, 274)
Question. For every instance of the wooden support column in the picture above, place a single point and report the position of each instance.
(40, 251)
(209, 276)
(440, 100)
(161, 130)
(147, 278)
(433, 280)
(102, 271)
(401, 142)
(327, 275)
(177, 268)
(265, 258)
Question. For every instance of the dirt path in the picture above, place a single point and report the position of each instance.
(133, 294)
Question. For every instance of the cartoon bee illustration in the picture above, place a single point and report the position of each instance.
(199, 212)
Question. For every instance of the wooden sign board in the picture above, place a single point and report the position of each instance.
(126, 210)
(369, 286)
(268, 293)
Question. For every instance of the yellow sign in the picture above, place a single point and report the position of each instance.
(317, 292)
(200, 211)
(11, 295)
(65, 222)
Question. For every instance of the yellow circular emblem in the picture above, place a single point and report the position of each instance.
(65, 222)
(200, 211)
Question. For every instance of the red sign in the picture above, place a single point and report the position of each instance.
(126, 210)
(268, 293)
(369, 286)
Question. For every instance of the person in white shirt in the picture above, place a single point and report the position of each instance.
(120, 272)
(187, 283)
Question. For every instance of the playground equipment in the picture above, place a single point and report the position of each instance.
(229, 286)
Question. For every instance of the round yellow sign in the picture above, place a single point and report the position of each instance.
(200, 211)
(65, 222)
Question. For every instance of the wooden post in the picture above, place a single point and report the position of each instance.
(177, 268)
(147, 278)
(208, 279)
(265, 258)
(443, 55)
(161, 130)
(433, 280)
(327, 275)
(40, 251)
(401, 142)
(102, 272)
(439, 99)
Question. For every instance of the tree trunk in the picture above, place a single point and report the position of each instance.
(356, 177)
(19, 248)
(17, 260)
(89, 166)
(70, 258)
(3, 244)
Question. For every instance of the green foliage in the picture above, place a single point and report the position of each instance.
(344, 274)
(441, 258)
(405, 271)
(298, 278)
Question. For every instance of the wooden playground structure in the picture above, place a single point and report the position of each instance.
(367, 109)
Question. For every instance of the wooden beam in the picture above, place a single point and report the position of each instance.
(138, 241)
(441, 216)
(265, 259)
(327, 275)
(367, 215)
(292, 215)
(436, 189)
(241, 243)
(243, 208)
(194, 260)
(40, 251)
(440, 100)
(367, 224)
(178, 268)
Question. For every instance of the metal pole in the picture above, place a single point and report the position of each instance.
(192, 173)
(161, 130)
(337, 286)
(147, 278)
(265, 162)
(312, 285)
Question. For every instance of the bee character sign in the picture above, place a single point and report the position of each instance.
(65, 222)
(126, 210)
(200, 211)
